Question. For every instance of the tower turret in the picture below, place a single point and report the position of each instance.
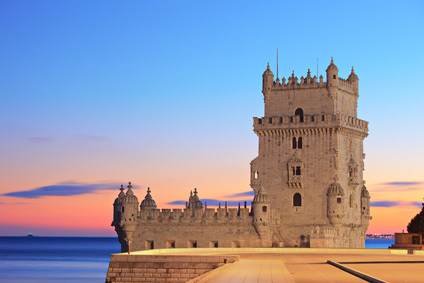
(261, 216)
(117, 207)
(267, 81)
(332, 77)
(129, 212)
(148, 202)
(353, 78)
(335, 203)
(365, 208)
(194, 201)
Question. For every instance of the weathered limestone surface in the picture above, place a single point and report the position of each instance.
(307, 178)
(166, 268)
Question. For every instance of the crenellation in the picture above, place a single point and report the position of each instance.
(309, 121)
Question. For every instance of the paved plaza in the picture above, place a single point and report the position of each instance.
(312, 266)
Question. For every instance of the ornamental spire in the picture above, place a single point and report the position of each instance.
(129, 191)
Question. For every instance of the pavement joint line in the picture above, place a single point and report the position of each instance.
(355, 272)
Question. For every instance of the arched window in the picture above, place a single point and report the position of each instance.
(298, 170)
(299, 143)
(299, 112)
(294, 143)
(297, 199)
(256, 175)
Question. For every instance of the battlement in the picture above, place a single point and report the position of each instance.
(309, 121)
(193, 216)
(309, 83)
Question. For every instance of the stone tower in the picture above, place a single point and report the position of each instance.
(311, 159)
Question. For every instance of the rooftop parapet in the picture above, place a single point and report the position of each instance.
(308, 83)
(309, 121)
(333, 81)
(168, 216)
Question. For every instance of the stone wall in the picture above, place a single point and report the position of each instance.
(162, 268)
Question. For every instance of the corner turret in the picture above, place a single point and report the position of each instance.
(261, 216)
(194, 201)
(267, 81)
(335, 203)
(148, 202)
(117, 207)
(332, 77)
(365, 207)
(129, 212)
(353, 78)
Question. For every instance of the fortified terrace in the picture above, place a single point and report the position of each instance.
(307, 178)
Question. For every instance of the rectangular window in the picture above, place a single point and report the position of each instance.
(235, 244)
(213, 244)
(339, 200)
(170, 244)
(192, 244)
(149, 245)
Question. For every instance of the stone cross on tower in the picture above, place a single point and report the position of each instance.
(129, 185)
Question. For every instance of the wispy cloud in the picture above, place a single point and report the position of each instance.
(244, 194)
(402, 183)
(389, 203)
(215, 202)
(39, 139)
(6, 203)
(398, 186)
(63, 189)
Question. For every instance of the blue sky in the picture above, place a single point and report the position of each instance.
(163, 92)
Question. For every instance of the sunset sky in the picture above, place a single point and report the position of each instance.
(94, 94)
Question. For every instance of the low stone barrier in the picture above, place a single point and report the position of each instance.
(162, 268)
(355, 272)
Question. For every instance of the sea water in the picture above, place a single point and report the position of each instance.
(73, 259)
(55, 259)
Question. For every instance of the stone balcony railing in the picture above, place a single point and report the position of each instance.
(310, 121)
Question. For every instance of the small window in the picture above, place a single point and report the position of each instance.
(255, 175)
(294, 143)
(149, 245)
(123, 209)
(297, 199)
(339, 200)
(270, 120)
(298, 171)
(299, 112)
(213, 244)
(323, 117)
(312, 118)
(264, 208)
(294, 170)
(299, 143)
(334, 77)
(259, 121)
(281, 120)
(235, 244)
(170, 244)
(291, 119)
(192, 244)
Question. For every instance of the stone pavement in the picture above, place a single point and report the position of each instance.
(303, 264)
(313, 267)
